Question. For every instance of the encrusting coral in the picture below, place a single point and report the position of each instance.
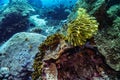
(47, 47)
(81, 27)
(77, 64)
(72, 63)
(108, 43)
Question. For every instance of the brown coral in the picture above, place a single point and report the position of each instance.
(49, 46)
(77, 63)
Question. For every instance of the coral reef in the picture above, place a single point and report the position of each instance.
(106, 13)
(53, 44)
(47, 47)
(19, 6)
(10, 26)
(108, 39)
(63, 62)
(75, 65)
(102, 10)
(4, 73)
(64, 58)
(17, 55)
(97, 8)
(72, 54)
(14, 18)
(36, 30)
(108, 42)
(80, 27)
(45, 30)
(35, 20)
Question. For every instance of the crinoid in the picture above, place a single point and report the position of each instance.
(81, 27)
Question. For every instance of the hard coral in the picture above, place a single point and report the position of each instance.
(108, 42)
(75, 63)
(50, 44)
(81, 27)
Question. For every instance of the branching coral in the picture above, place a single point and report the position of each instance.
(81, 28)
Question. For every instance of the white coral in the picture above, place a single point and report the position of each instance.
(37, 21)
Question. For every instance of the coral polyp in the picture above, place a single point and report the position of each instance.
(81, 27)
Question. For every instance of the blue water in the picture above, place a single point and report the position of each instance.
(2, 2)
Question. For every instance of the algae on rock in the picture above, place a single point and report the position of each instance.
(108, 42)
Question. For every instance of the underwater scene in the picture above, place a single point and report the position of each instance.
(59, 39)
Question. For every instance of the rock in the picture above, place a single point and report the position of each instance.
(18, 52)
